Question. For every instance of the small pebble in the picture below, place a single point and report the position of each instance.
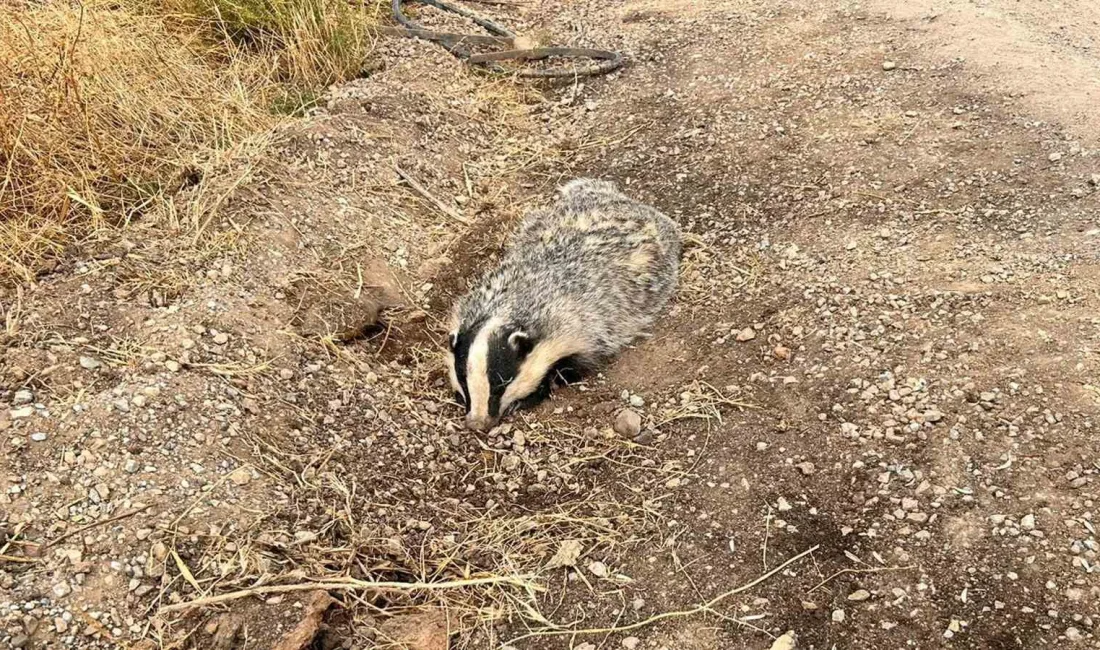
(628, 423)
(787, 641)
(889, 65)
(746, 334)
(859, 595)
(89, 363)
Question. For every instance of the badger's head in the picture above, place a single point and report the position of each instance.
(491, 369)
(497, 366)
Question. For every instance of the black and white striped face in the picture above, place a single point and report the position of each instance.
(487, 365)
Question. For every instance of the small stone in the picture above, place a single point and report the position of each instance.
(1073, 634)
(101, 491)
(221, 338)
(131, 466)
(645, 438)
(806, 468)
(787, 641)
(241, 476)
(172, 366)
(598, 569)
(89, 363)
(1055, 156)
(1094, 180)
(631, 642)
(62, 589)
(838, 615)
(187, 344)
(286, 374)
(159, 551)
(60, 625)
(24, 412)
(628, 423)
(859, 595)
(38, 437)
(636, 401)
(510, 462)
(782, 505)
(909, 503)
(22, 397)
(138, 400)
(889, 65)
(1028, 522)
(784, 353)
(19, 641)
(746, 334)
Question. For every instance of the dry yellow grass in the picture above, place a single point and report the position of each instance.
(106, 112)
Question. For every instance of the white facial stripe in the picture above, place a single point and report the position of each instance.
(451, 374)
(477, 371)
(535, 367)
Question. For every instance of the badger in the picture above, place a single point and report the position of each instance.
(580, 280)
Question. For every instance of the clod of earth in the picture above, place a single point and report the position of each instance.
(303, 634)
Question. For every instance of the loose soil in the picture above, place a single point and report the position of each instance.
(884, 351)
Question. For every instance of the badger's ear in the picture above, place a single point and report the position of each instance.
(521, 342)
(454, 341)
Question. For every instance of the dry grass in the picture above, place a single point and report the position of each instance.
(313, 42)
(107, 112)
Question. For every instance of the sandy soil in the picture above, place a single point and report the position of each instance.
(881, 367)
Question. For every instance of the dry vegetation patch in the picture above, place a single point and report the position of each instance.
(109, 110)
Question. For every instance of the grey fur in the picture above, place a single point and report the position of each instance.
(596, 266)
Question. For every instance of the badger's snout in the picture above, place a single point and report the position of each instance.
(480, 422)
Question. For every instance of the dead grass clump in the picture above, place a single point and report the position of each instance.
(104, 112)
(314, 42)
(109, 110)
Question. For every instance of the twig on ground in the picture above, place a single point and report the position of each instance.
(767, 531)
(844, 571)
(109, 520)
(522, 582)
(423, 191)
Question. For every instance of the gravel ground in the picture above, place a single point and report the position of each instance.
(879, 375)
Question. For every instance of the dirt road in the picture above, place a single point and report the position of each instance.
(881, 366)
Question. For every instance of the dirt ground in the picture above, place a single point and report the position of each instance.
(880, 375)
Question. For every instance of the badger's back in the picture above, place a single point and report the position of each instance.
(596, 267)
